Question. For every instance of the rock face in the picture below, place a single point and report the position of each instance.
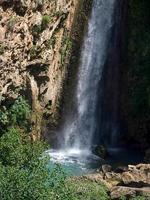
(35, 47)
(129, 182)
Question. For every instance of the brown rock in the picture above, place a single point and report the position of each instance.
(137, 175)
(2, 33)
(118, 191)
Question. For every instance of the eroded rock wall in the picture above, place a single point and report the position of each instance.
(36, 39)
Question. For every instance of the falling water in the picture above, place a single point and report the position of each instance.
(80, 126)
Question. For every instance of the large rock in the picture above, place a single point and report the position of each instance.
(128, 181)
(137, 175)
(119, 191)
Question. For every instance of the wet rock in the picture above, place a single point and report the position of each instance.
(100, 151)
(121, 169)
(106, 168)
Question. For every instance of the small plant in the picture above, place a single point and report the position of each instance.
(4, 120)
(45, 21)
(17, 114)
(51, 42)
(66, 48)
(33, 52)
(58, 13)
(19, 111)
(36, 30)
(2, 49)
(11, 24)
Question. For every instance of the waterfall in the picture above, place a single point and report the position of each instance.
(81, 124)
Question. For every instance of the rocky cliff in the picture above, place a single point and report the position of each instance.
(36, 41)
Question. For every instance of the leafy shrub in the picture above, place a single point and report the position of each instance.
(16, 149)
(65, 49)
(4, 119)
(19, 112)
(24, 183)
(87, 190)
(23, 175)
(36, 31)
(45, 21)
(24, 172)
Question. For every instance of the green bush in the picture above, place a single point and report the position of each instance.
(36, 31)
(19, 111)
(17, 114)
(24, 171)
(16, 149)
(45, 21)
(87, 190)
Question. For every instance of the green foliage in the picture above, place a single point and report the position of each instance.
(45, 21)
(19, 111)
(2, 49)
(24, 183)
(139, 198)
(58, 13)
(16, 149)
(24, 172)
(4, 118)
(51, 42)
(65, 49)
(11, 24)
(16, 114)
(36, 31)
(87, 190)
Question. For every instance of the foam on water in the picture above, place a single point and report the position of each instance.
(75, 161)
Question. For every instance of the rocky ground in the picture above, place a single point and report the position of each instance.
(127, 181)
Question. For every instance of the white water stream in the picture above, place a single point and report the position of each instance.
(80, 126)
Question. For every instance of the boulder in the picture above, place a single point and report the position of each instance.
(137, 175)
(106, 168)
(100, 151)
(119, 191)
